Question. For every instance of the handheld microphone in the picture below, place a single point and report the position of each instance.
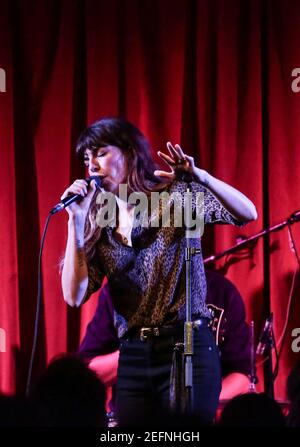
(264, 339)
(73, 197)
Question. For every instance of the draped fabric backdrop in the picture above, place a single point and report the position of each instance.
(214, 76)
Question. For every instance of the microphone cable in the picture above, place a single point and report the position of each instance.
(38, 308)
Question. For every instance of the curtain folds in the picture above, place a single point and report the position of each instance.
(213, 76)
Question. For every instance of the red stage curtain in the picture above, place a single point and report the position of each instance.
(213, 76)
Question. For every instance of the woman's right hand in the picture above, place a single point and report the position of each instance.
(80, 208)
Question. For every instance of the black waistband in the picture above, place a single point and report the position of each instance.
(145, 333)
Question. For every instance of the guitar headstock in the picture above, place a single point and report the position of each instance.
(218, 318)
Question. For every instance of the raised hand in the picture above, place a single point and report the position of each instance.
(179, 163)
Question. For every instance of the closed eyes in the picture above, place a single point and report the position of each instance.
(86, 159)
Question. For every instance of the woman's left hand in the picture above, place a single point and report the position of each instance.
(181, 165)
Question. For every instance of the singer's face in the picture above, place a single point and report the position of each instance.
(110, 164)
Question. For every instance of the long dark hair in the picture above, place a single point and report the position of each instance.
(136, 149)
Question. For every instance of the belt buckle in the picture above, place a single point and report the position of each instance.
(144, 333)
(156, 331)
(196, 324)
(199, 322)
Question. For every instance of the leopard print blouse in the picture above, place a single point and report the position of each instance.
(147, 280)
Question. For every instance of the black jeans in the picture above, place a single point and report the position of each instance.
(143, 384)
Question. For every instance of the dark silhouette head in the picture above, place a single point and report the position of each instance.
(69, 394)
(252, 410)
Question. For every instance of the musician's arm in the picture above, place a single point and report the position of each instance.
(233, 384)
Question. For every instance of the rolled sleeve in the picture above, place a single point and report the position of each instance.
(215, 212)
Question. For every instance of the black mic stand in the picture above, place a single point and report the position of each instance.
(265, 346)
(253, 376)
(269, 367)
(188, 325)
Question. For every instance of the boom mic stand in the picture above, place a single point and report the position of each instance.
(295, 217)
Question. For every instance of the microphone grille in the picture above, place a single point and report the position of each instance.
(97, 179)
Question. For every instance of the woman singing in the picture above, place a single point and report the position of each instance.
(144, 263)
